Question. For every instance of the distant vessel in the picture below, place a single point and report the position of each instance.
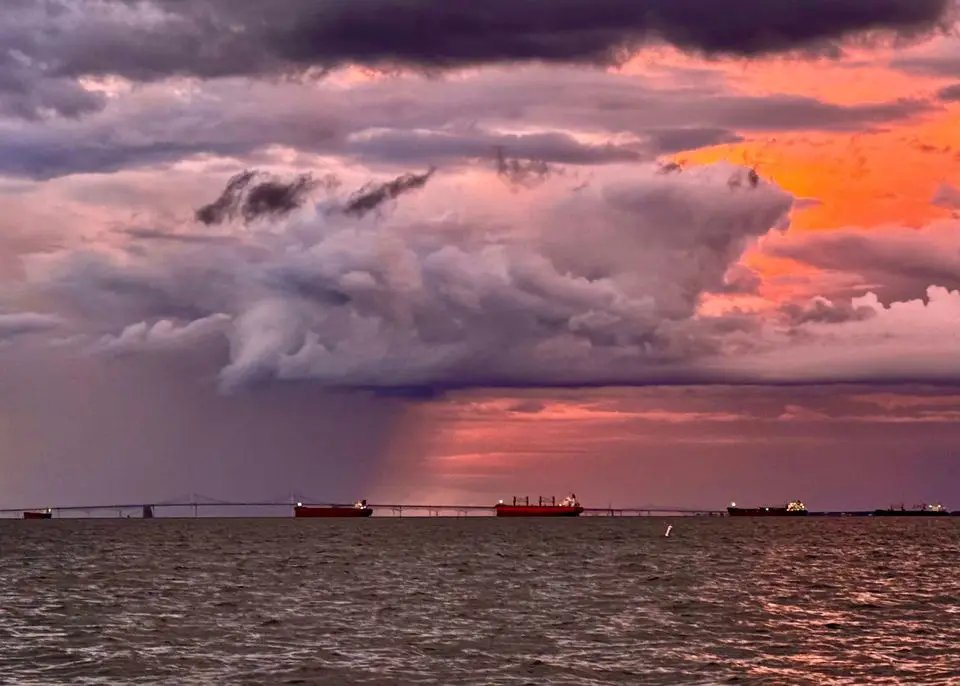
(359, 509)
(38, 514)
(794, 508)
(922, 511)
(521, 507)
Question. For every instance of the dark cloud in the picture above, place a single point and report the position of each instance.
(226, 206)
(256, 199)
(428, 34)
(274, 198)
(949, 93)
(212, 38)
(51, 44)
(373, 195)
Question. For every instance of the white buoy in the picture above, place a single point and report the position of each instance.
(669, 529)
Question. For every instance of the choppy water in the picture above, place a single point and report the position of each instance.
(480, 601)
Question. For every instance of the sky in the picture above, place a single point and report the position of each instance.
(656, 252)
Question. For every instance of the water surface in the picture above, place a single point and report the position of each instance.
(480, 601)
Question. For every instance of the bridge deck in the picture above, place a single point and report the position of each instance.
(398, 508)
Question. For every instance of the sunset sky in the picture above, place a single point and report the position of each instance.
(657, 252)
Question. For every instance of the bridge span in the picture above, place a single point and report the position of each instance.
(201, 506)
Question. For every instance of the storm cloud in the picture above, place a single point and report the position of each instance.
(52, 44)
(565, 283)
(573, 282)
(219, 37)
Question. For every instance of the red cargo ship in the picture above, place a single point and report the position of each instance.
(359, 509)
(38, 514)
(521, 507)
(794, 508)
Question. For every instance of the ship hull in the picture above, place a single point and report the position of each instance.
(310, 512)
(38, 515)
(910, 513)
(538, 510)
(764, 512)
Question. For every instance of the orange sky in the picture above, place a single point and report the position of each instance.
(862, 180)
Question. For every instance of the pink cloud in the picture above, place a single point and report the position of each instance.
(906, 341)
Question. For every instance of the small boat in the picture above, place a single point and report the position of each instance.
(38, 514)
(794, 508)
(521, 507)
(358, 509)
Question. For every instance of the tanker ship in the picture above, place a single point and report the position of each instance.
(794, 508)
(46, 513)
(358, 509)
(521, 507)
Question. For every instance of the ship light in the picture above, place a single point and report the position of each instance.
(733, 504)
(299, 504)
(501, 502)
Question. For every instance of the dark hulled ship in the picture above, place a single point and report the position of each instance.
(922, 511)
(358, 509)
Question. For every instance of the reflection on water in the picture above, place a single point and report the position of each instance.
(480, 601)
